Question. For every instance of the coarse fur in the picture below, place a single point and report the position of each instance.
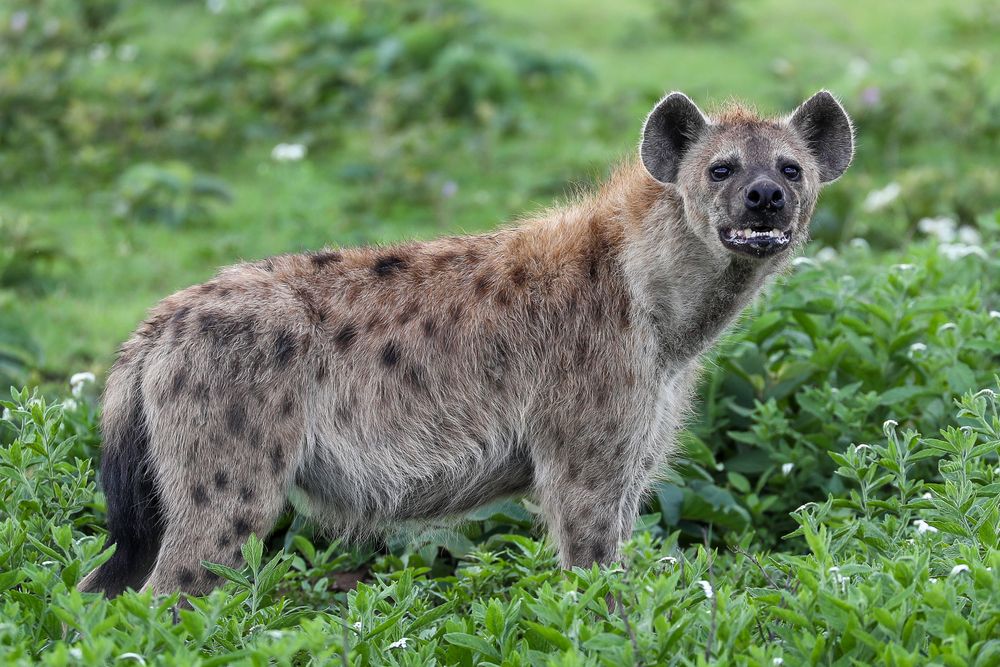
(555, 358)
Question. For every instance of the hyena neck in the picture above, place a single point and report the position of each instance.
(689, 293)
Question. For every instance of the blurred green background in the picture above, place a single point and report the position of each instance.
(145, 144)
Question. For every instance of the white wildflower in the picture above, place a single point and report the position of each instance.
(275, 634)
(943, 228)
(959, 569)
(667, 559)
(924, 527)
(857, 68)
(889, 423)
(803, 261)
(400, 643)
(6, 415)
(100, 53)
(79, 380)
(863, 446)
(707, 587)
(288, 152)
(826, 255)
(215, 6)
(927, 495)
(357, 625)
(859, 243)
(918, 347)
(903, 267)
(128, 52)
(932, 580)
(957, 251)
(70, 404)
(969, 235)
(838, 578)
(19, 21)
(879, 199)
(786, 468)
(995, 314)
(76, 652)
(778, 661)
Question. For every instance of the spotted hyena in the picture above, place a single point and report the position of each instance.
(381, 385)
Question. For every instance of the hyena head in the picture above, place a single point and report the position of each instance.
(748, 184)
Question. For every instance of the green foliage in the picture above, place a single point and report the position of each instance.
(897, 570)
(172, 194)
(700, 18)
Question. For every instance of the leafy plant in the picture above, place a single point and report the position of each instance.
(172, 194)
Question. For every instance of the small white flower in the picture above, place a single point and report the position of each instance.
(786, 468)
(778, 661)
(400, 643)
(957, 251)
(857, 68)
(215, 6)
(275, 634)
(70, 404)
(6, 415)
(958, 569)
(100, 53)
(927, 495)
(76, 652)
(969, 235)
(803, 261)
(127, 52)
(840, 579)
(707, 587)
(924, 527)
(859, 243)
(995, 314)
(889, 423)
(667, 559)
(826, 255)
(879, 199)
(720, 466)
(947, 326)
(932, 580)
(862, 447)
(918, 347)
(357, 625)
(903, 267)
(942, 228)
(288, 152)
(78, 380)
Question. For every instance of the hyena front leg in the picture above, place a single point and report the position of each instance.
(589, 498)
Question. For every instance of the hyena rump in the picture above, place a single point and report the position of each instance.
(554, 358)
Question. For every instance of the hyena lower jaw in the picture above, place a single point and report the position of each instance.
(554, 358)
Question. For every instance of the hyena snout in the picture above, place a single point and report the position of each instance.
(764, 196)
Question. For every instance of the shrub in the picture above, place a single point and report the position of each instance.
(172, 194)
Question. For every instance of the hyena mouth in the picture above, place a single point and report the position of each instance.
(756, 241)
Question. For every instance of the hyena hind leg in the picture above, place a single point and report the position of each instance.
(214, 530)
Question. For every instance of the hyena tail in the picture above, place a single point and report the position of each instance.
(134, 512)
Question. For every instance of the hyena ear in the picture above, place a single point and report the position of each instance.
(827, 129)
(673, 125)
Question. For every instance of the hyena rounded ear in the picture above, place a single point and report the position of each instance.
(671, 127)
(827, 129)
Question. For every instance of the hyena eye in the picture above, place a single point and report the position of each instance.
(720, 172)
(791, 172)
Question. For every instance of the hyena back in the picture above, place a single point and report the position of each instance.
(554, 358)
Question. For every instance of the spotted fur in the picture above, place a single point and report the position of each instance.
(554, 358)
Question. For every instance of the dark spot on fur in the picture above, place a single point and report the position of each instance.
(314, 312)
(277, 458)
(414, 376)
(208, 288)
(390, 354)
(408, 313)
(345, 337)
(387, 265)
(223, 540)
(225, 291)
(285, 346)
(178, 381)
(323, 258)
(429, 327)
(482, 284)
(444, 259)
(241, 527)
(502, 297)
(222, 328)
(376, 322)
(288, 403)
(199, 495)
(201, 391)
(185, 576)
(179, 318)
(455, 311)
(321, 371)
(236, 418)
(246, 493)
(221, 479)
(519, 275)
(600, 553)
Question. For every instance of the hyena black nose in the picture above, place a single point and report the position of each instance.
(764, 195)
